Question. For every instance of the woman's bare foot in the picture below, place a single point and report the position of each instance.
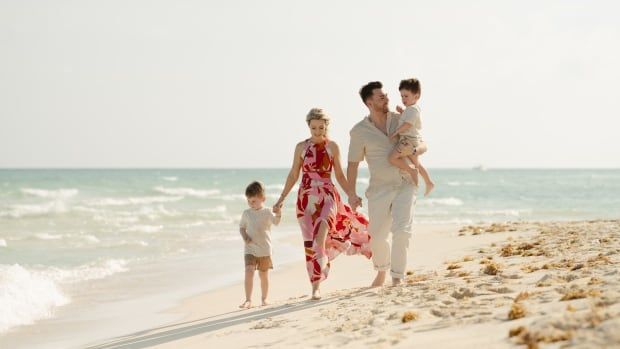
(316, 295)
(379, 279)
(429, 188)
(246, 305)
(264, 302)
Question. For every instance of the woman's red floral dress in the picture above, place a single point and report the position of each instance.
(318, 201)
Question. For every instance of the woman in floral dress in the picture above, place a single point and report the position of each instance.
(329, 227)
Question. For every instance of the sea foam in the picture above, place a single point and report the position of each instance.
(197, 193)
(54, 194)
(134, 200)
(19, 211)
(27, 296)
(450, 201)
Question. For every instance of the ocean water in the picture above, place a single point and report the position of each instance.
(71, 240)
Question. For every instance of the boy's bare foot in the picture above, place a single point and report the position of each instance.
(316, 295)
(246, 305)
(429, 188)
(396, 281)
(379, 279)
(264, 302)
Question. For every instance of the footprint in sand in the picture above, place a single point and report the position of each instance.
(463, 293)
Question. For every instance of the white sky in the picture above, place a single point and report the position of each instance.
(228, 83)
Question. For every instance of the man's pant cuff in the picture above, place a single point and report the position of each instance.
(382, 267)
(396, 275)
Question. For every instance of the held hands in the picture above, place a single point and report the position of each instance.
(355, 202)
(277, 207)
(394, 136)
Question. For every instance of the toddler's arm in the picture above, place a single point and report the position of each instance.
(277, 217)
(401, 129)
(244, 235)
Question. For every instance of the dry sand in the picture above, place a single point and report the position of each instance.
(509, 285)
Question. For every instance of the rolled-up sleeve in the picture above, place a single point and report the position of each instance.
(356, 146)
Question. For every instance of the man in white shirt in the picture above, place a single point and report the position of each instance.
(391, 194)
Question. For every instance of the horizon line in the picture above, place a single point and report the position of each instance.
(475, 168)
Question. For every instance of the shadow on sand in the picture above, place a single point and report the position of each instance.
(165, 334)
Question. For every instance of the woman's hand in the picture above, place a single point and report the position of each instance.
(277, 207)
(355, 202)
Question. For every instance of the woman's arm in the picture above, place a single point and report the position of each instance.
(292, 177)
(340, 177)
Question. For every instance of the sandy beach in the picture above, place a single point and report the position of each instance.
(490, 286)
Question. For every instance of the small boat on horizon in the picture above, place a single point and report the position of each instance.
(479, 168)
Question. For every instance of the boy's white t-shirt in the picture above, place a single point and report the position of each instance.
(411, 115)
(257, 224)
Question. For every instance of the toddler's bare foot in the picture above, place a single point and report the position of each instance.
(429, 188)
(246, 305)
(396, 281)
(316, 295)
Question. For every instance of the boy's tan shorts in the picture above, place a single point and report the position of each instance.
(406, 145)
(260, 263)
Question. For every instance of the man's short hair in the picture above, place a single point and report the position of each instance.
(412, 85)
(255, 189)
(366, 90)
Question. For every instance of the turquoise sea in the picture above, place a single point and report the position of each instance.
(72, 240)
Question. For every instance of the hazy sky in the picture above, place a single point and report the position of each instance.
(228, 83)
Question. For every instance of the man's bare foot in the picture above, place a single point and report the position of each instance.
(379, 279)
(396, 281)
(429, 188)
(316, 295)
(264, 302)
(246, 305)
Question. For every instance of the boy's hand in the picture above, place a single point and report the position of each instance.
(399, 109)
(246, 238)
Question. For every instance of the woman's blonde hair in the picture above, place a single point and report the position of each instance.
(317, 114)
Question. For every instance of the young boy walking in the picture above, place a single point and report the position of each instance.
(255, 227)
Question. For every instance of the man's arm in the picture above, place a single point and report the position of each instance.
(357, 152)
(354, 200)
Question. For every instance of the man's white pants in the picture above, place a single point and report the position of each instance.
(390, 209)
